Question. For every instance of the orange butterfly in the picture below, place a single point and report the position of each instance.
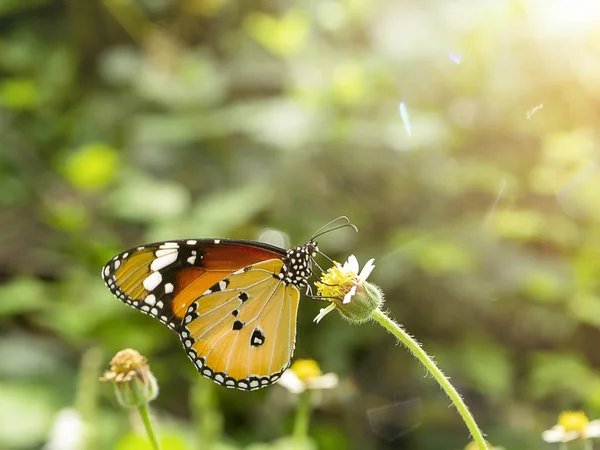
(234, 303)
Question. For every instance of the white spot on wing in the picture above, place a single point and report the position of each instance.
(150, 300)
(169, 288)
(191, 242)
(170, 245)
(117, 264)
(152, 280)
(164, 251)
(222, 285)
(163, 261)
(106, 271)
(191, 259)
(217, 241)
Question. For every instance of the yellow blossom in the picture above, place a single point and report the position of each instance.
(347, 290)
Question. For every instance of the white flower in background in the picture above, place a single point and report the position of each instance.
(572, 425)
(67, 432)
(305, 374)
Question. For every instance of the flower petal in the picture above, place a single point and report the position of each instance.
(348, 296)
(554, 434)
(68, 431)
(571, 436)
(366, 271)
(327, 381)
(291, 382)
(322, 313)
(593, 429)
(352, 264)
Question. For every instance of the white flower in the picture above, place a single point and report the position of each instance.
(341, 282)
(67, 432)
(305, 374)
(572, 425)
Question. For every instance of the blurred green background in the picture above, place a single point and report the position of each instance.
(128, 121)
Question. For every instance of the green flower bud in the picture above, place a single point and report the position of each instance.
(134, 384)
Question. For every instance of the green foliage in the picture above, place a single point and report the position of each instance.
(125, 122)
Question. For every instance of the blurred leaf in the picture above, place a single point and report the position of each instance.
(21, 295)
(205, 7)
(217, 214)
(489, 366)
(285, 443)
(228, 209)
(284, 36)
(518, 224)
(120, 65)
(13, 190)
(29, 356)
(26, 412)
(439, 256)
(349, 83)
(585, 307)
(91, 167)
(543, 286)
(180, 78)
(141, 198)
(67, 215)
(140, 442)
(15, 6)
(560, 374)
(19, 94)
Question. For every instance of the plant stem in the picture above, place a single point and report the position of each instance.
(302, 419)
(394, 328)
(86, 398)
(145, 415)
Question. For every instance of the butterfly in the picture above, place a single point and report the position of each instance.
(233, 303)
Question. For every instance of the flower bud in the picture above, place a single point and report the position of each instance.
(134, 383)
(368, 298)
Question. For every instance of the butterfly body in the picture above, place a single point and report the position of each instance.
(233, 303)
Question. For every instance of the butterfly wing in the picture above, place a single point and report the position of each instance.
(163, 279)
(241, 332)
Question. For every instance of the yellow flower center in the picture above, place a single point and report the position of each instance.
(573, 421)
(125, 365)
(305, 369)
(336, 282)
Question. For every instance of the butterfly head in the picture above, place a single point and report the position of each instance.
(297, 265)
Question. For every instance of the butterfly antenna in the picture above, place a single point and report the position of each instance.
(324, 229)
(320, 268)
(328, 258)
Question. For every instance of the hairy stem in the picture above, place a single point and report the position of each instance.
(394, 328)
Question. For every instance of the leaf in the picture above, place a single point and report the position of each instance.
(21, 295)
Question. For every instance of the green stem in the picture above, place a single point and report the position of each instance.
(145, 415)
(86, 398)
(426, 360)
(302, 419)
